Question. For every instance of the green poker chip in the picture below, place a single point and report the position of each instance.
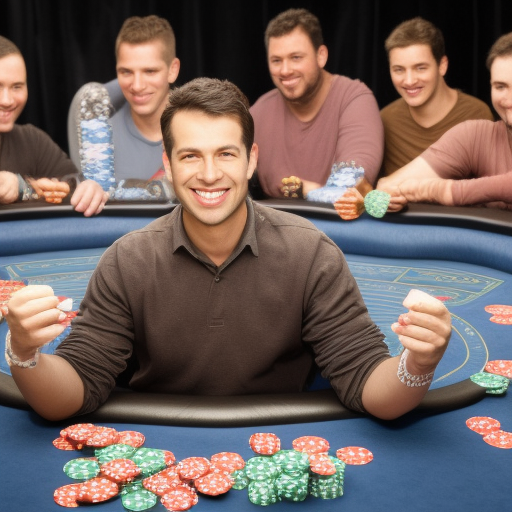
(240, 479)
(263, 492)
(376, 203)
(490, 381)
(261, 468)
(114, 451)
(139, 500)
(149, 460)
(131, 487)
(292, 462)
(292, 488)
(82, 469)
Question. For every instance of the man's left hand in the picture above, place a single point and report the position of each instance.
(89, 198)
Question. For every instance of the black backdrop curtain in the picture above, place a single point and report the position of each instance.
(67, 43)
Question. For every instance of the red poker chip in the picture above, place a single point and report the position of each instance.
(102, 436)
(97, 490)
(193, 467)
(228, 461)
(131, 438)
(354, 455)
(483, 424)
(321, 464)
(162, 482)
(214, 484)
(500, 367)
(69, 316)
(169, 458)
(79, 432)
(67, 495)
(178, 499)
(499, 309)
(503, 320)
(265, 444)
(120, 471)
(499, 439)
(62, 443)
(311, 444)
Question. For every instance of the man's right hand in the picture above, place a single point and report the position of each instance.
(33, 319)
(8, 187)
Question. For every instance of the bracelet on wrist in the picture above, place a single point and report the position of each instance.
(25, 191)
(412, 381)
(13, 360)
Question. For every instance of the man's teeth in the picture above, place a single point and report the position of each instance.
(210, 195)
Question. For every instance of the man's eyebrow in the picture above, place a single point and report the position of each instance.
(191, 149)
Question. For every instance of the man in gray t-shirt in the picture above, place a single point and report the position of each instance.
(146, 66)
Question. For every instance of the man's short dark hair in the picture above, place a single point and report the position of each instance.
(417, 31)
(501, 48)
(212, 97)
(289, 20)
(7, 47)
(140, 30)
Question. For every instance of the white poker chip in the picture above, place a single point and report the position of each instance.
(65, 304)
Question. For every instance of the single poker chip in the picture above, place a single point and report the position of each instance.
(82, 469)
(500, 367)
(503, 320)
(497, 391)
(131, 437)
(114, 451)
(311, 444)
(149, 460)
(102, 436)
(139, 500)
(131, 487)
(376, 203)
(163, 481)
(63, 443)
(193, 467)
(499, 439)
(214, 484)
(292, 462)
(489, 381)
(483, 424)
(261, 468)
(240, 480)
(499, 310)
(65, 303)
(67, 495)
(120, 471)
(177, 499)
(97, 490)
(354, 455)
(228, 461)
(321, 464)
(265, 443)
(79, 432)
(169, 458)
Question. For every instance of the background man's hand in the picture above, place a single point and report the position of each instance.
(8, 187)
(89, 198)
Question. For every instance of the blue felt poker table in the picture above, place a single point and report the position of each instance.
(427, 460)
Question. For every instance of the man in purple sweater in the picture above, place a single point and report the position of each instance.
(312, 119)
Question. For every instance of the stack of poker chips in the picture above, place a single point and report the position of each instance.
(95, 136)
(343, 175)
(275, 475)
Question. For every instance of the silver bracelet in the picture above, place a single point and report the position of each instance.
(412, 381)
(13, 360)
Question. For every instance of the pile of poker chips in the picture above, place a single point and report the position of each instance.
(494, 384)
(275, 475)
(120, 466)
(501, 314)
(490, 429)
(376, 203)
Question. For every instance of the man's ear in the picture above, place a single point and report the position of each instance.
(443, 65)
(167, 166)
(321, 56)
(253, 161)
(174, 70)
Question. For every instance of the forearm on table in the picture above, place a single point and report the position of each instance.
(52, 388)
(385, 396)
(483, 190)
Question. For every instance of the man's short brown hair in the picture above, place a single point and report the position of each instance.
(7, 47)
(214, 98)
(501, 48)
(289, 20)
(417, 31)
(137, 30)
